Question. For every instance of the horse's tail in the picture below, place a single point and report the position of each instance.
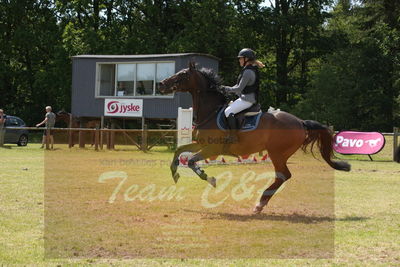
(323, 136)
(397, 155)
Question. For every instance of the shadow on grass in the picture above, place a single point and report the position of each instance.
(6, 147)
(362, 158)
(52, 149)
(292, 218)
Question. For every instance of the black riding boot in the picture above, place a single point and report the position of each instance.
(232, 137)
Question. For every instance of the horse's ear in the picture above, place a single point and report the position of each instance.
(192, 65)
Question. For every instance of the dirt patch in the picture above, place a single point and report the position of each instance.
(103, 207)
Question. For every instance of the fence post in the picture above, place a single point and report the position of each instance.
(112, 140)
(70, 132)
(81, 139)
(144, 138)
(101, 138)
(102, 132)
(108, 139)
(70, 138)
(96, 139)
(47, 138)
(395, 141)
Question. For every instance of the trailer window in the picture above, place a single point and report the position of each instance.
(126, 79)
(145, 79)
(107, 79)
(132, 79)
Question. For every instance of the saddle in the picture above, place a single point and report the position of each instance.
(247, 120)
(251, 111)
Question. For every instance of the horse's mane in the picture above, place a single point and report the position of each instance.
(214, 80)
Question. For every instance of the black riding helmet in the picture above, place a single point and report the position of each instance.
(247, 53)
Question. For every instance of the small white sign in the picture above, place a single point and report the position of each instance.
(123, 107)
(185, 121)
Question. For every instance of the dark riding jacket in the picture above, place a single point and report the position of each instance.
(248, 84)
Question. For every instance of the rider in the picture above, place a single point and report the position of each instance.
(246, 88)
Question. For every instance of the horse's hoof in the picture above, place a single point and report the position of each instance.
(257, 209)
(176, 177)
(212, 181)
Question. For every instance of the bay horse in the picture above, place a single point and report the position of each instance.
(280, 133)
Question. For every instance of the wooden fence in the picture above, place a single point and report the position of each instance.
(106, 137)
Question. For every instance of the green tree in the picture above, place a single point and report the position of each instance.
(382, 23)
(32, 59)
(311, 51)
(354, 88)
(296, 29)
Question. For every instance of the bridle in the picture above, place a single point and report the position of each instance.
(184, 77)
(210, 116)
(181, 78)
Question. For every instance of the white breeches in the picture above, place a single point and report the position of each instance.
(237, 106)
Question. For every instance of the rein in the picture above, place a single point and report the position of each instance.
(211, 115)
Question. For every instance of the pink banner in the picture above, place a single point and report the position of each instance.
(366, 143)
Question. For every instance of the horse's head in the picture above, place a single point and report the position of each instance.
(182, 81)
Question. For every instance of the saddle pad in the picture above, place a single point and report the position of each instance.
(250, 122)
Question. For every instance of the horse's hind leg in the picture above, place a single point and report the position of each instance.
(282, 174)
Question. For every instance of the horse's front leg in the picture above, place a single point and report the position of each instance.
(206, 152)
(194, 147)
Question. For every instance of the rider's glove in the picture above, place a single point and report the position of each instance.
(222, 89)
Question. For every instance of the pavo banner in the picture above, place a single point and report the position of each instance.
(366, 143)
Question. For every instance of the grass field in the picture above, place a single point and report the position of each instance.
(73, 207)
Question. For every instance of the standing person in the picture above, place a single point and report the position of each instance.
(247, 89)
(49, 120)
(2, 126)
